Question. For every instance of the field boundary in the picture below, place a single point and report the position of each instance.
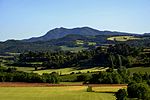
(23, 84)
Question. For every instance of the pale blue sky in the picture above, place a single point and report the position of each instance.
(28, 18)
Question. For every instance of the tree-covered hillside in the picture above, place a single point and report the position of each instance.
(73, 40)
(114, 56)
(61, 32)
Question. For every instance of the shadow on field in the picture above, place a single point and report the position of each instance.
(104, 92)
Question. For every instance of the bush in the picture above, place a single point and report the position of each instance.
(28, 77)
(83, 77)
(110, 70)
(89, 89)
(2, 69)
(138, 90)
(121, 94)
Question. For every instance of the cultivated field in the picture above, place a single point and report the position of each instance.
(108, 88)
(70, 70)
(73, 49)
(25, 69)
(139, 69)
(122, 38)
(51, 93)
(61, 71)
(41, 92)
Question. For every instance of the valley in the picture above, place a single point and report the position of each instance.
(74, 50)
(74, 66)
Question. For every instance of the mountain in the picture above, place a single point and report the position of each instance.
(146, 34)
(54, 39)
(61, 32)
(51, 45)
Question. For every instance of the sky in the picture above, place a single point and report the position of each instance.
(21, 19)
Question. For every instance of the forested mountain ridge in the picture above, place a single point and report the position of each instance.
(51, 45)
(77, 37)
(61, 32)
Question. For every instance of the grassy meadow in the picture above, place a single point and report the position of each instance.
(122, 38)
(61, 71)
(64, 71)
(25, 69)
(139, 69)
(52, 93)
(73, 49)
(108, 89)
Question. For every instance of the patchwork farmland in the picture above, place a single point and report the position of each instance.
(38, 91)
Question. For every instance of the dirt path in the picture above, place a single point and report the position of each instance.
(23, 84)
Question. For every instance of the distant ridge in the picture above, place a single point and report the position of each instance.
(55, 39)
(61, 32)
(147, 34)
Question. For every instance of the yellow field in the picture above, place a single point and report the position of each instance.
(140, 69)
(108, 89)
(122, 38)
(52, 93)
(63, 71)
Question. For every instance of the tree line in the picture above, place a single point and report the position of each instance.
(11, 75)
(113, 56)
(137, 91)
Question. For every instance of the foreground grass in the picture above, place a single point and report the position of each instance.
(52, 93)
(139, 69)
(108, 89)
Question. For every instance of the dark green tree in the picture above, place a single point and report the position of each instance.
(138, 90)
(121, 94)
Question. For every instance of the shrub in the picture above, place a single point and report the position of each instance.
(121, 94)
(138, 90)
(83, 77)
(89, 89)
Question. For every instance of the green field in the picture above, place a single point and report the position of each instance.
(122, 38)
(52, 93)
(139, 69)
(108, 89)
(73, 49)
(79, 42)
(70, 70)
(91, 43)
(25, 69)
(63, 71)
